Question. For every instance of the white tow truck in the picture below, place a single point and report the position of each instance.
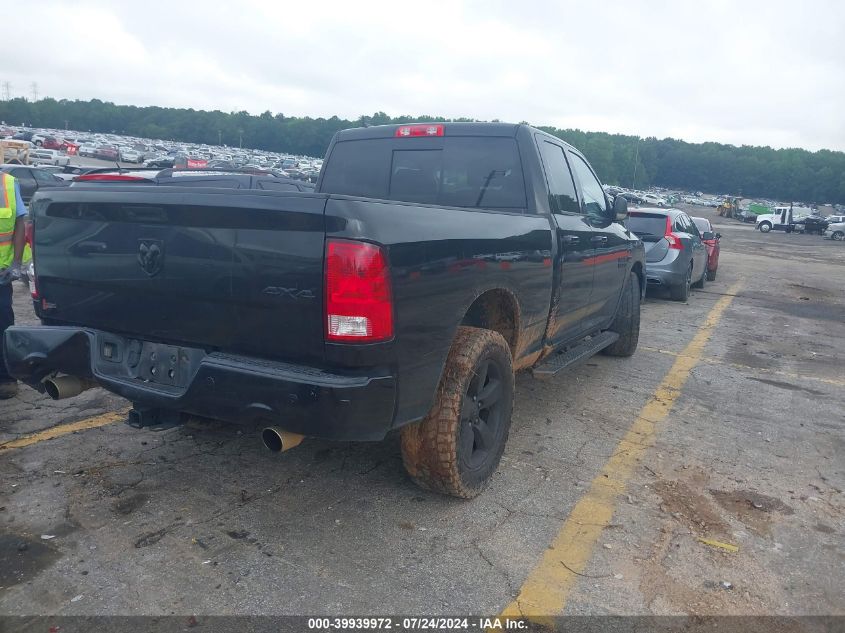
(781, 219)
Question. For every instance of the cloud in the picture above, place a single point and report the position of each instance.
(764, 73)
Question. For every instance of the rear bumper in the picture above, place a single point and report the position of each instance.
(671, 271)
(306, 400)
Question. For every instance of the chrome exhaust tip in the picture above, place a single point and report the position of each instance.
(278, 440)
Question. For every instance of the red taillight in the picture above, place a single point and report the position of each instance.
(674, 241)
(359, 305)
(110, 177)
(405, 131)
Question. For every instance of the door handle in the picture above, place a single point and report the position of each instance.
(571, 239)
(599, 239)
(90, 247)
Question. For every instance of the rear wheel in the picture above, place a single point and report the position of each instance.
(457, 447)
(700, 283)
(681, 291)
(627, 321)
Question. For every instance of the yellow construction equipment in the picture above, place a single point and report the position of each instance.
(729, 208)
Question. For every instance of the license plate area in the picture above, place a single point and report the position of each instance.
(163, 364)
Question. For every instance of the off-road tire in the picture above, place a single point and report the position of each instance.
(681, 291)
(626, 323)
(431, 449)
(711, 275)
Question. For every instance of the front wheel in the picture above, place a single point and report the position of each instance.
(765, 227)
(627, 321)
(838, 235)
(456, 448)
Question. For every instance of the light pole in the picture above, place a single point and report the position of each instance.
(636, 158)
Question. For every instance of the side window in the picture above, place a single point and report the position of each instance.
(43, 177)
(678, 225)
(562, 195)
(693, 229)
(23, 176)
(595, 204)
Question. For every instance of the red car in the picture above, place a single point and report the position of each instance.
(51, 142)
(711, 241)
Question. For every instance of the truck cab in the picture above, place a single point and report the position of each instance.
(781, 219)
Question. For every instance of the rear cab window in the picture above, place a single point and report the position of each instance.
(460, 171)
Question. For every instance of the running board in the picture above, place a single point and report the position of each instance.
(554, 363)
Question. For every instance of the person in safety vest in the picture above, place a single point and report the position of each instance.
(12, 247)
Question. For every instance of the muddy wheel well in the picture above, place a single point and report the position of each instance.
(496, 310)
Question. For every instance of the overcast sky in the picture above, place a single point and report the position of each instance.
(744, 72)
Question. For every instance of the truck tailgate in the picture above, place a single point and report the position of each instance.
(230, 270)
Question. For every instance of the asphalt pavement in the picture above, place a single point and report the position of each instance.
(704, 475)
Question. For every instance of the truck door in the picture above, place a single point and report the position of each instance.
(612, 246)
(574, 275)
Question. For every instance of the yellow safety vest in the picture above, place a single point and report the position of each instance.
(8, 217)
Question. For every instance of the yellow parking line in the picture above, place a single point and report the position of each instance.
(546, 590)
(64, 429)
(764, 370)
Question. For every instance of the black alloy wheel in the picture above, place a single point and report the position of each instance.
(482, 412)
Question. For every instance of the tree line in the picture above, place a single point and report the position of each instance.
(628, 161)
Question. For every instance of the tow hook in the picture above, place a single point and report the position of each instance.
(278, 440)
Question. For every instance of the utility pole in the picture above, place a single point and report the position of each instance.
(636, 158)
(7, 91)
(34, 87)
(65, 123)
(219, 137)
(240, 139)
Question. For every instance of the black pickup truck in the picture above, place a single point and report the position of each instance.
(431, 262)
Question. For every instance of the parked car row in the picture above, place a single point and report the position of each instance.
(681, 252)
(162, 154)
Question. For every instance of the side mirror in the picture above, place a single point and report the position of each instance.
(708, 235)
(620, 208)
